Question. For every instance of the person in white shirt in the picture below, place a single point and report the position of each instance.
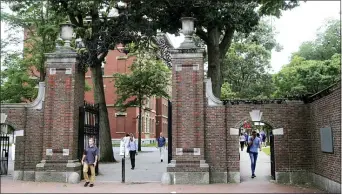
(132, 147)
(242, 141)
(126, 141)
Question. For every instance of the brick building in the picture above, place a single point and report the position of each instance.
(154, 114)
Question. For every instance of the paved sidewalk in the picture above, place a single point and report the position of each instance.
(10, 186)
(146, 179)
(262, 169)
(148, 167)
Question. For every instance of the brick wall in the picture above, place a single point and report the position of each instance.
(22, 117)
(291, 149)
(326, 112)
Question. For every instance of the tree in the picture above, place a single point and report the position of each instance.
(102, 25)
(41, 25)
(16, 84)
(307, 77)
(315, 66)
(247, 62)
(149, 77)
(216, 22)
(327, 43)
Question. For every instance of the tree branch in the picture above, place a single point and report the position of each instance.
(202, 35)
(226, 41)
(102, 57)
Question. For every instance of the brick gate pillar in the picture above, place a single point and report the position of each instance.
(63, 96)
(188, 165)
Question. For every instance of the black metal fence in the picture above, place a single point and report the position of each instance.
(272, 155)
(4, 149)
(89, 119)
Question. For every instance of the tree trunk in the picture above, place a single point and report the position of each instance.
(139, 126)
(214, 61)
(106, 147)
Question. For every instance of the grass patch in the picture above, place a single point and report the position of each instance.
(267, 150)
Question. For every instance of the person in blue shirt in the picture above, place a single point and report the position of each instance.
(255, 145)
(161, 145)
(89, 160)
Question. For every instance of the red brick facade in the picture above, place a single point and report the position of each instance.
(154, 116)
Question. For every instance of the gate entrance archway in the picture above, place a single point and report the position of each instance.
(265, 165)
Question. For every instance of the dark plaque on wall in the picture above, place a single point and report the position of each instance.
(327, 144)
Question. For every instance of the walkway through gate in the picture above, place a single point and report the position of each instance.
(88, 127)
(4, 149)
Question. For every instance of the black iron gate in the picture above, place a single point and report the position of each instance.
(272, 155)
(4, 149)
(169, 131)
(89, 119)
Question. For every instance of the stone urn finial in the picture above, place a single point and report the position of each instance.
(187, 26)
(67, 31)
(188, 30)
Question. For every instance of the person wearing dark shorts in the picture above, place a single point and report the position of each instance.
(89, 160)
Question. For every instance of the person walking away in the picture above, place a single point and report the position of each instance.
(242, 141)
(89, 160)
(263, 137)
(246, 138)
(161, 145)
(255, 146)
(132, 147)
(126, 141)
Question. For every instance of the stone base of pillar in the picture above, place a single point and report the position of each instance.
(186, 173)
(23, 175)
(65, 172)
(234, 177)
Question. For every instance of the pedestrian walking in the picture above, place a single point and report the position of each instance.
(89, 160)
(263, 138)
(161, 145)
(126, 141)
(255, 146)
(246, 138)
(242, 141)
(132, 147)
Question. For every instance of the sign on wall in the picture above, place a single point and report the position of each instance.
(327, 144)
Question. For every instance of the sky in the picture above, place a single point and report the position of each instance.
(294, 27)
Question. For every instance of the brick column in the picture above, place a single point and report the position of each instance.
(64, 95)
(188, 165)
